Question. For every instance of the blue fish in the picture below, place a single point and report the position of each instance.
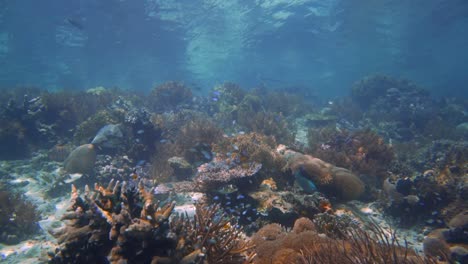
(306, 184)
(206, 154)
(240, 196)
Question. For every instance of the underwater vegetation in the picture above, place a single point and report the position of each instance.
(186, 136)
(122, 223)
(243, 176)
(304, 244)
(169, 96)
(18, 217)
(253, 111)
(362, 151)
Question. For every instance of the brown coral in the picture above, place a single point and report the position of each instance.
(363, 152)
(337, 181)
(109, 223)
(274, 244)
(212, 233)
(169, 95)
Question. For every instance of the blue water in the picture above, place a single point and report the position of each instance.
(321, 45)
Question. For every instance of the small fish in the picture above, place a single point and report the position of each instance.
(214, 99)
(216, 198)
(163, 140)
(73, 177)
(140, 163)
(228, 189)
(141, 131)
(306, 184)
(74, 23)
(244, 212)
(206, 154)
(134, 176)
(240, 196)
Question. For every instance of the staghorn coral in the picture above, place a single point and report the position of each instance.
(123, 224)
(117, 223)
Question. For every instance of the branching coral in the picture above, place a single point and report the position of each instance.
(123, 224)
(115, 223)
(212, 233)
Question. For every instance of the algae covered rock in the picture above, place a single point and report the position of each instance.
(81, 159)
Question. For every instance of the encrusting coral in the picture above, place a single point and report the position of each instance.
(328, 178)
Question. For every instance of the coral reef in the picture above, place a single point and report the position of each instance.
(169, 96)
(116, 223)
(88, 128)
(121, 223)
(305, 245)
(252, 147)
(333, 180)
(18, 218)
(186, 134)
(449, 243)
(213, 234)
(363, 152)
(220, 172)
